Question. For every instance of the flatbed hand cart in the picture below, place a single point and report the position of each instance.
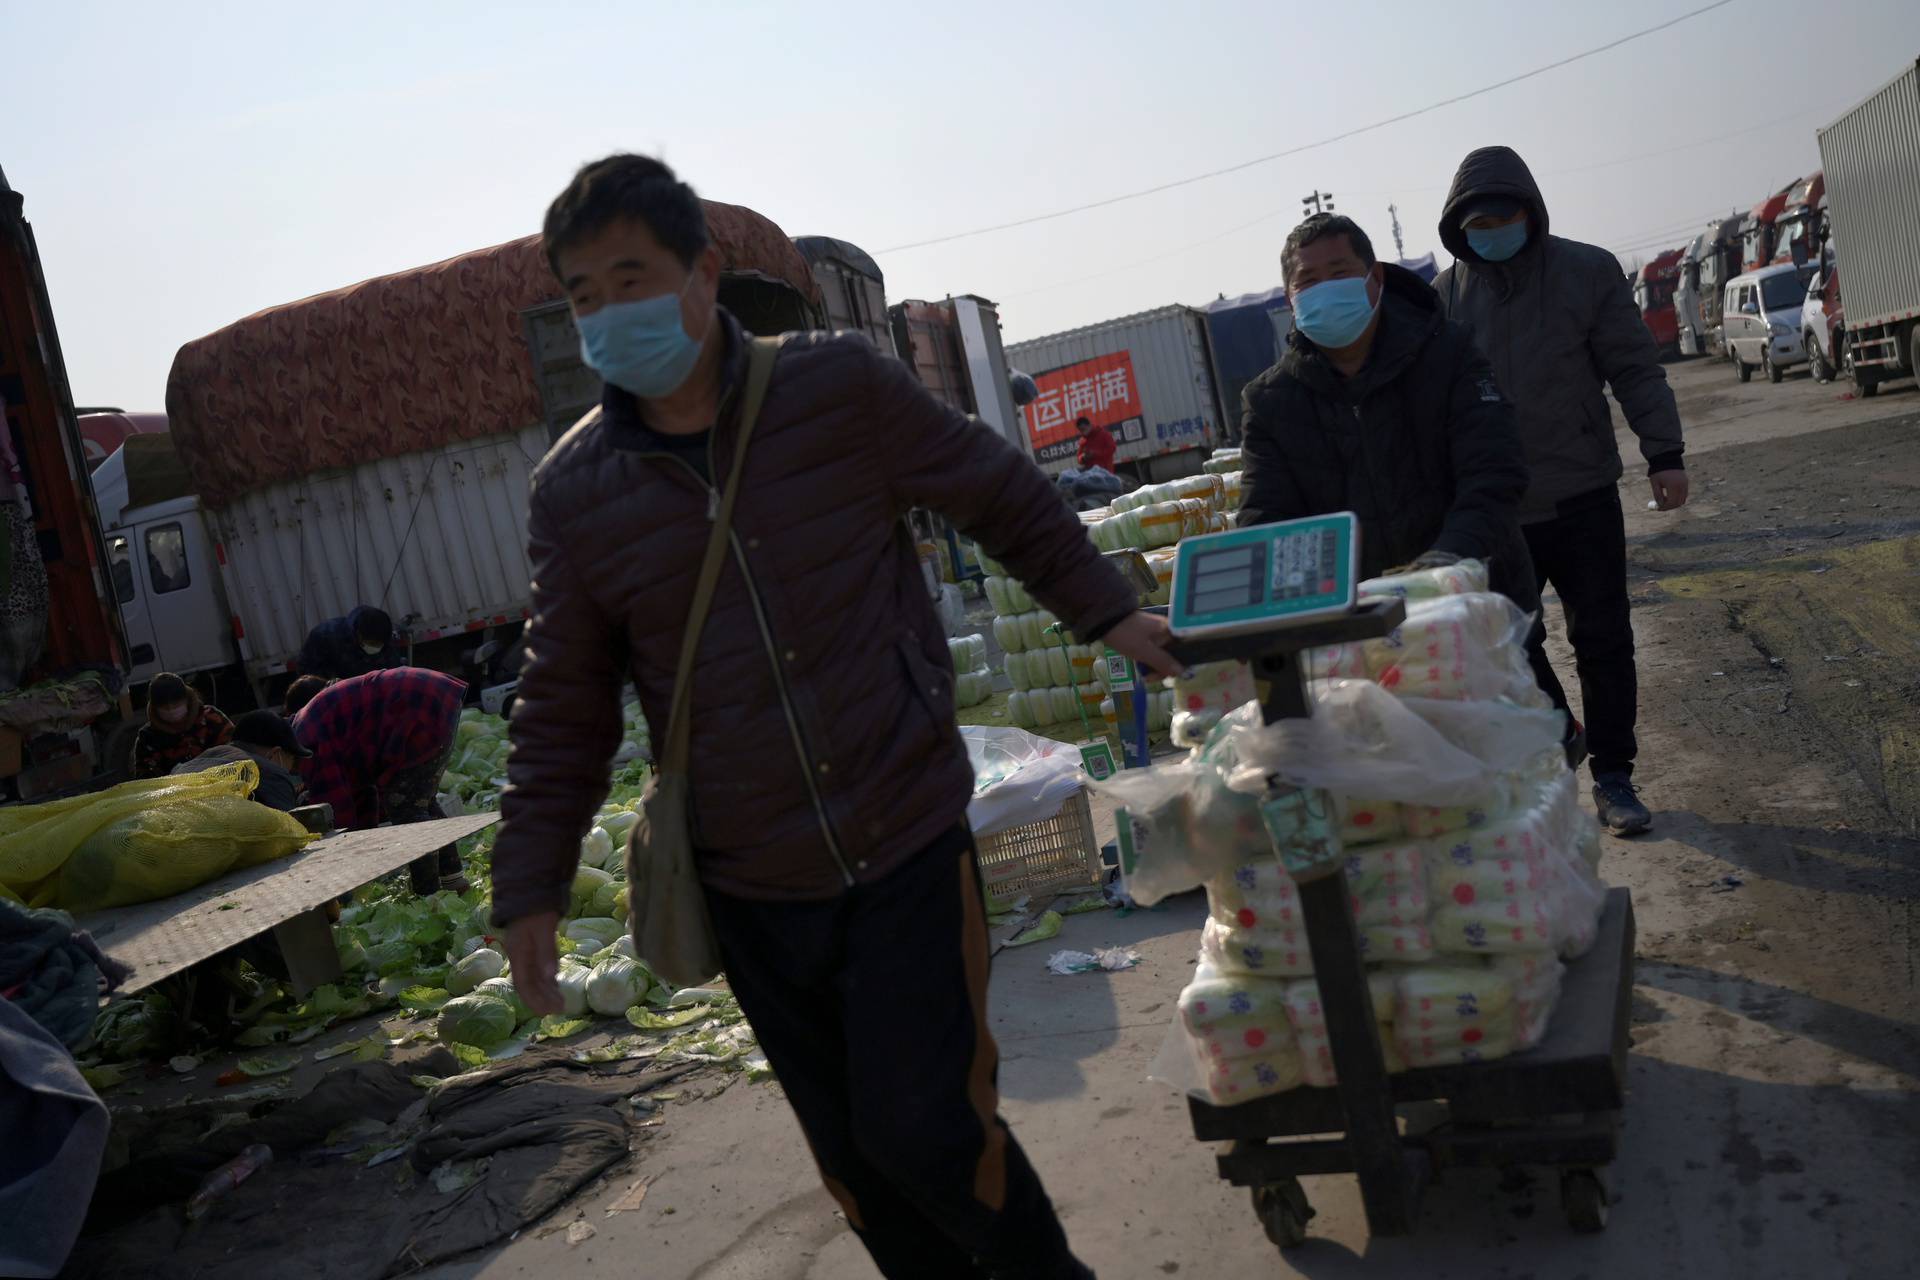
(1557, 1104)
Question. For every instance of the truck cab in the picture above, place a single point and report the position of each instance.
(1797, 231)
(1757, 232)
(162, 562)
(1653, 293)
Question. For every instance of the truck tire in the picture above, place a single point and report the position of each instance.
(1913, 350)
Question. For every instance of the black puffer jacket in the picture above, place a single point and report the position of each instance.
(824, 746)
(1420, 444)
(1557, 321)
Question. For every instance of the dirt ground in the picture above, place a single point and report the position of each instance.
(1771, 1130)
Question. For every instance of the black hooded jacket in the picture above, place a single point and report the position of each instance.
(1558, 323)
(1420, 444)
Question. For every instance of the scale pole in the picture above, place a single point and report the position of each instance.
(1389, 1184)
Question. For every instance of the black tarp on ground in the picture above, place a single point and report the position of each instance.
(544, 1126)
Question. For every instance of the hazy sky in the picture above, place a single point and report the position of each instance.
(187, 164)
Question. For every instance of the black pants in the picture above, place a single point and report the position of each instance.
(872, 1009)
(1582, 552)
(411, 797)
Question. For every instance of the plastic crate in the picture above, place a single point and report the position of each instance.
(1041, 857)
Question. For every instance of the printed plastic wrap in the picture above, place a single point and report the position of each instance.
(1239, 1034)
(1519, 883)
(1429, 584)
(1203, 697)
(1309, 1021)
(1367, 821)
(1457, 647)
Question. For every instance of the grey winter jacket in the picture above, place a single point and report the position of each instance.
(1557, 321)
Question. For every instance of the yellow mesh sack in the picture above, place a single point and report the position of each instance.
(37, 840)
(168, 848)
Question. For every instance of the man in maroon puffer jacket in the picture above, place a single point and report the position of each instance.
(829, 784)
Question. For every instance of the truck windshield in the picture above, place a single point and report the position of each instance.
(1784, 291)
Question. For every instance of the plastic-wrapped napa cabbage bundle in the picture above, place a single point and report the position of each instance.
(1428, 584)
(1309, 1021)
(1237, 1029)
(1461, 647)
(1223, 461)
(967, 652)
(1519, 883)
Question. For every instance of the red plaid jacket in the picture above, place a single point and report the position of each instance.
(365, 730)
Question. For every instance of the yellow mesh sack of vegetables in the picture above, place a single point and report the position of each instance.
(140, 840)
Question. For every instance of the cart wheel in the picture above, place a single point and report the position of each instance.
(1583, 1194)
(1283, 1210)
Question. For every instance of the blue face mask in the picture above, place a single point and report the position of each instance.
(640, 347)
(1334, 313)
(1497, 244)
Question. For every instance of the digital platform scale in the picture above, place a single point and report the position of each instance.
(1265, 577)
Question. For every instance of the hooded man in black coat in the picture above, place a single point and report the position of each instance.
(1556, 318)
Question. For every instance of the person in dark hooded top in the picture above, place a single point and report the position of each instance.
(1383, 408)
(341, 648)
(1556, 318)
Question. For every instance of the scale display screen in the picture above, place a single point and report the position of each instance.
(1266, 576)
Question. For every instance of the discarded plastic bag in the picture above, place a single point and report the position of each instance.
(1184, 827)
(1360, 741)
(1018, 777)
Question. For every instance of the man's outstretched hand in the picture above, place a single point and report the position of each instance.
(1145, 637)
(535, 958)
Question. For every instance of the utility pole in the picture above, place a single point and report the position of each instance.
(1399, 249)
(1318, 202)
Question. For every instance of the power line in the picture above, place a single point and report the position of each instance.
(1310, 146)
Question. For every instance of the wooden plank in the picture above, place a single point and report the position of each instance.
(1579, 1066)
(163, 937)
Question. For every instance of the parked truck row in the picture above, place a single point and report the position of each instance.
(1763, 290)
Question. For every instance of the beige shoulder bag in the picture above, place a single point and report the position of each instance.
(671, 928)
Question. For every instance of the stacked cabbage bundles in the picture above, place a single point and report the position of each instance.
(1223, 462)
(1463, 911)
(973, 678)
(1052, 684)
(479, 766)
(1160, 515)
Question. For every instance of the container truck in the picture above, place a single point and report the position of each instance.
(1797, 232)
(1871, 158)
(373, 446)
(1653, 290)
(1147, 378)
(953, 346)
(64, 714)
(1756, 232)
(1709, 262)
(1246, 336)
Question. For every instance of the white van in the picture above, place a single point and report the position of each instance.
(1761, 320)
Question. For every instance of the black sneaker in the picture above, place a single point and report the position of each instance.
(1575, 743)
(1616, 799)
